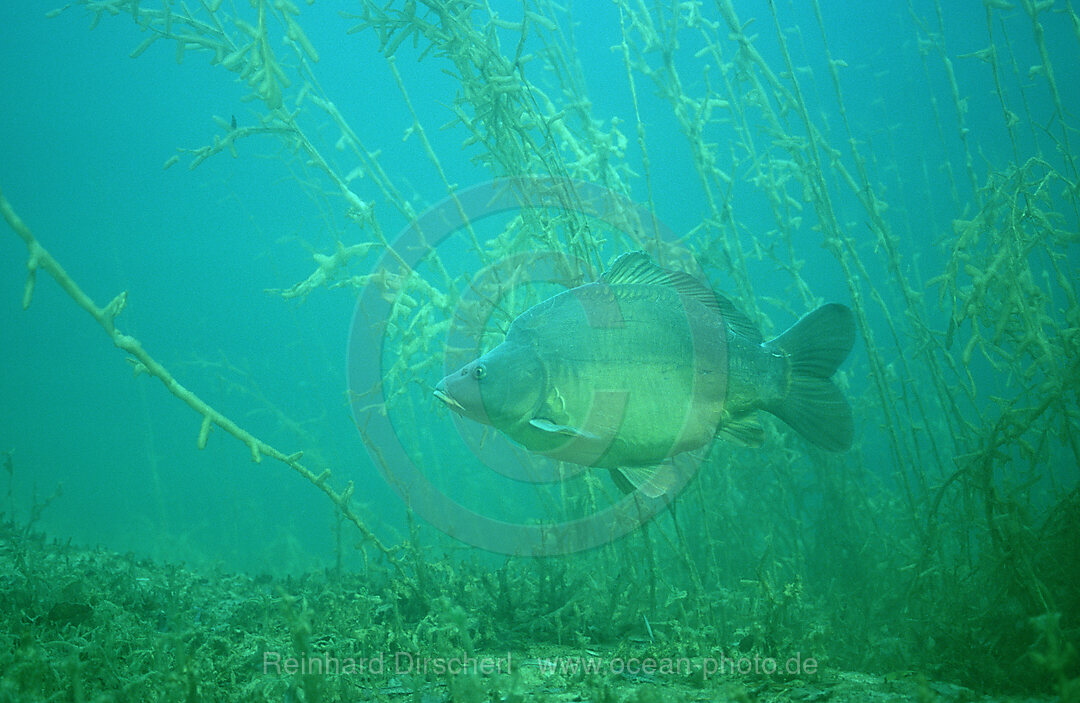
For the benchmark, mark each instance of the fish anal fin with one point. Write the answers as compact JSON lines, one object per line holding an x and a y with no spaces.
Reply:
{"x":744,"y":430}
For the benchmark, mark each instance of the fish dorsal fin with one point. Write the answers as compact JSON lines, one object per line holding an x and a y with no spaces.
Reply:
{"x":736,"y":320}
{"x":635,"y":267}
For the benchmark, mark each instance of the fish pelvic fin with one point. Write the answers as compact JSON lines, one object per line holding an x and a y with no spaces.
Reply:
{"x":814,"y":406}
{"x":653,"y":481}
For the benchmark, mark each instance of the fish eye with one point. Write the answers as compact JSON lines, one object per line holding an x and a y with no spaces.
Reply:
{"x":479,"y":372}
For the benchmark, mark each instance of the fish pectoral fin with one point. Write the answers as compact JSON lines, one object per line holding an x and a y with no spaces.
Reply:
{"x":549,"y":426}
{"x":653,"y":481}
{"x":745,"y":430}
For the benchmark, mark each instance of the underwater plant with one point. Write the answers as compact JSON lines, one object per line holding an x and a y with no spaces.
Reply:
{"x":791,"y":173}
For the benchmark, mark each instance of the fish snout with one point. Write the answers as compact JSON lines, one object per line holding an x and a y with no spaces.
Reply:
{"x":443,"y":394}
{"x":460,"y":391}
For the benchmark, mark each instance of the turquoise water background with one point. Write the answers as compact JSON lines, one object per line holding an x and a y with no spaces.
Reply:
{"x":84,"y":131}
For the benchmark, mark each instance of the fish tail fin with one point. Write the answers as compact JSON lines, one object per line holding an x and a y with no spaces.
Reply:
{"x":814,"y":406}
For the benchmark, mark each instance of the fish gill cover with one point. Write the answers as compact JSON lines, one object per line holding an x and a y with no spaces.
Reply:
{"x":394,"y":184}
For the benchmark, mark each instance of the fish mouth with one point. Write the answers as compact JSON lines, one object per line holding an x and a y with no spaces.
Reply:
{"x":441,"y":393}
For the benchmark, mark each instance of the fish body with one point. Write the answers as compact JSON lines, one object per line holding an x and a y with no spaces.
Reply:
{"x":646,"y":364}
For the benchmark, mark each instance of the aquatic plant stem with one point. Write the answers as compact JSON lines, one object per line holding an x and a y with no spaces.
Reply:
{"x":143,"y":362}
